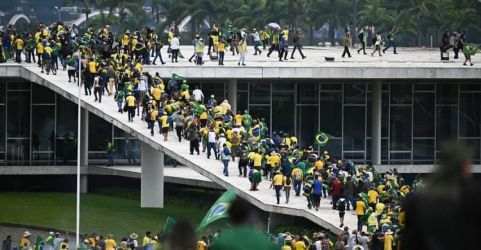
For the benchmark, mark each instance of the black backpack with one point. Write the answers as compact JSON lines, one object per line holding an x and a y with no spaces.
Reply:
{"x":374,"y":40}
{"x":360,"y":36}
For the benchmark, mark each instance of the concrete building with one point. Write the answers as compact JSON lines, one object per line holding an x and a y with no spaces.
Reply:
{"x":390,"y":113}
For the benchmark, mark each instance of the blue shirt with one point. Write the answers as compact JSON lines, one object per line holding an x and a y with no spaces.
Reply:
{"x":317,"y":187}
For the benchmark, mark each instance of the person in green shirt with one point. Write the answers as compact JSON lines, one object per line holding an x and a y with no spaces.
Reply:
{"x":242,"y":236}
{"x":391,"y":39}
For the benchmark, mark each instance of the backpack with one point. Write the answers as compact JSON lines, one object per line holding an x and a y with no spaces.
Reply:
{"x":374,"y":40}
{"x":288,"y":181}
{"x":361,"y":36}
{"x":226,"y":151}
{"x":298,"y":176}
{"x":342,"y":203}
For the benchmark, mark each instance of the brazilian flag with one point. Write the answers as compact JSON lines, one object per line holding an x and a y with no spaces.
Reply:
{"x":321,"y":139}
{"x":176,"y":77}
{"x":219,"y":210}
{"x":255,"y":132}
{"x":169,"y":225}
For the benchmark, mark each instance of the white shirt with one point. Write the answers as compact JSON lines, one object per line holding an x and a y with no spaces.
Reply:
{"x":175,"y":43}
{"x":142,"y":85}
{"x":198,"y":95}
{"x":211,"y":136}
{"x":256,"y":36}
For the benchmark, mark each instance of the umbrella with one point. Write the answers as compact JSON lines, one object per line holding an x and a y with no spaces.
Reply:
{"x":274,"y":26}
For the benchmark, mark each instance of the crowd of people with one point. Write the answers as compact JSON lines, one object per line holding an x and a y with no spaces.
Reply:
{"x":114,"y":67}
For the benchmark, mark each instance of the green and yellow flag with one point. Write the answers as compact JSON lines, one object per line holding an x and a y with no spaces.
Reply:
{"x":169,"y":225}
{"x":39,"y":242}
{"x":178,"y":77}
{"x":219,"y":210}
{"x":321,"y":139}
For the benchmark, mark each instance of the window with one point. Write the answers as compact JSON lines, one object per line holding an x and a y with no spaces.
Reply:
{"x":354,"y":93}
{"x":400,"y":128}
{"x":308,"y":93}
{"x":446,"y":123}
{"x":447,"y":94}
{"x":307,"y":121}
{"x":469,"y":115}
{"x":283,"y":112}
{"x":354,"y":128}
{"x":423,"y":115}
{"x":260,"y":93}
{"x":331,"y":113}
{"x":401,"y":93}
{"x":18,"y":114}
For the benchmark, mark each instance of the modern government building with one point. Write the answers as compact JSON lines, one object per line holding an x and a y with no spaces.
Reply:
{"x":39,"y":126}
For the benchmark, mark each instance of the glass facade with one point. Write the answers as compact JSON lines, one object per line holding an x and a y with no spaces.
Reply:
{"x":39,"y":127}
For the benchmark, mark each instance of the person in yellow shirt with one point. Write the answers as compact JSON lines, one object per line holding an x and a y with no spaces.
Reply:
{"x":373,"y":197}
{"x":164,"y":125}
{"x":277,"y":183}
{"x":18,"y":49}
{"x":287,"y":183}
{"x":221,"y":50}
{"x":257,"y":160}
{"x":131,"y":106}
{"x":110,"y":243}
{"x":388,"y":240}
{"x":25,"y":242}
{"x":300,"y":244}
{"x":147,"y":238}
{"x":360,"y":211}
{"x":39,"y":48}
{"x":202,"y":244}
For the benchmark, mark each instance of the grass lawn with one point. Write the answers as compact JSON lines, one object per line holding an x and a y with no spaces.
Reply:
{"x":99,"y":213}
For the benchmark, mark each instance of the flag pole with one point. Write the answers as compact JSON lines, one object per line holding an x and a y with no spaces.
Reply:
{"x":79,"y":116}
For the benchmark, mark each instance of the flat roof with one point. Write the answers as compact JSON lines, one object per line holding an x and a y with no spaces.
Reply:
{"x":409,"y":63}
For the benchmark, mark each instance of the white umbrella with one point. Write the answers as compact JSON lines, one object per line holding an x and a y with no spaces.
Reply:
{"x":274,"y":26}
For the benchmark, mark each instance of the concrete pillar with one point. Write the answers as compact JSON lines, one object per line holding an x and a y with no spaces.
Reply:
{"x":84,"y":184}
{"x":376,"y":110}
{"x":84,"y":140}
{"x":152,"y":177}
{"x":232,"y":94}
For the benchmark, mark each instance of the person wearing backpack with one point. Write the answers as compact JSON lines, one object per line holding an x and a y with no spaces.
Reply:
{"x":298,"y":177}
{"x":287,"y":182}
{"x":341,"y":207}
{"x":363,"y":39}
{"x":225,"y":157}
{"x":193,"y":136}
{"x":317,"y":191}
{"x":376,"y":43}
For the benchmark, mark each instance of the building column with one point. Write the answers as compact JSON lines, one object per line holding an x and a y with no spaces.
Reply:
{"x":232,"y":94}
{"x":152,"y":177}
{"x":376,"y":111}
{"x":84,"y":184}
{"x":84,"y":140}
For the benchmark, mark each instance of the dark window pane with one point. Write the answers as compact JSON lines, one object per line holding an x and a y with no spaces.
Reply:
{"x":43,"y":128}
{"x":214,"y":88}
{"x":258,"y":112}
{"x":18,"y":85}
{"x":42,"y":159}
{"x":400,"y":158}
{"x":354,"y":128}
{"x":331,"y":113}
{"x":355,"y":157}
{"x":283,"y":85}
{"x":423,"y":112}
{"x":66,"y":149}
{"x":384,"y":150}
{"x":3,"y":122}
{"x":3,"y":91}
{"x":123,"y":147}
{"x":99,"y":132}
{"x":260,"y":93}
{"x":42,"y":94}
{"x":401,"y":93}
{"x":469,"y":115}
{"x":18,"y":120}
{"x":354,"y":93}
{"x":308,"y":93}
{"x":446,"y":124}
{"x":447,"y":93}
{"x":423,"y":149}
{"x":424,"y":86}
{"x":334,"y":147}
{"x":242,"y":101}
{"x":474,"y":144}
{"x":283,"y":112}
{"x":470,"y":87}
{"x":307,"y":124}
{"x":66,"y":117}
{"x":331,"y":87}
{"x":18,"y":152}
{"x":400,"y":128}
{"x":242,"y":85}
